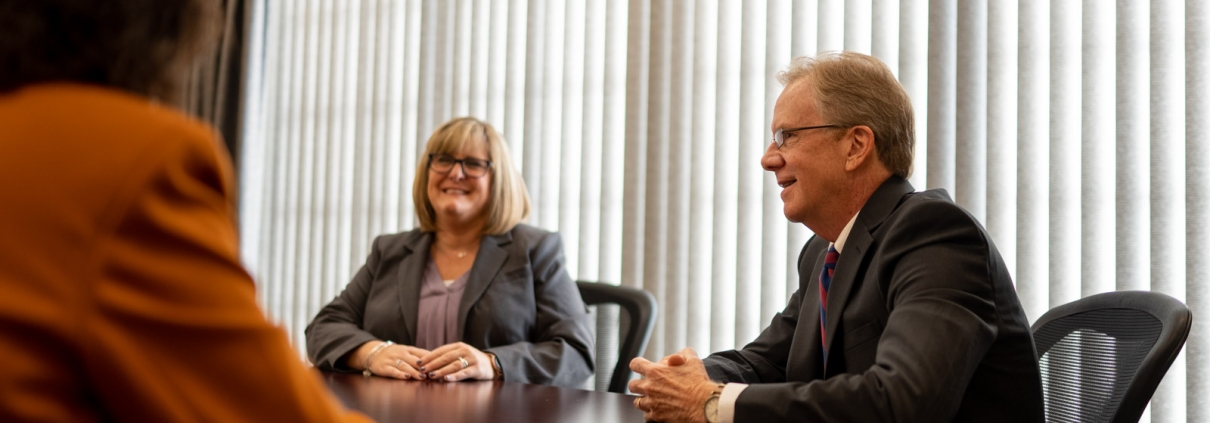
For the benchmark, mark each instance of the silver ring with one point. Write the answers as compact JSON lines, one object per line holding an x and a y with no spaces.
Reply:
{"x":464,"y":363}
{"x":398,"y":362}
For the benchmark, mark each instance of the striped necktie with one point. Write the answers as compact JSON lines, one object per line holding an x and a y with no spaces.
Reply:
{"x":825,"y":283}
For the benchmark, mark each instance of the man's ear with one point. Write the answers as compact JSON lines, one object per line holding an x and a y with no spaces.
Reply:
{"x":861,"y":147}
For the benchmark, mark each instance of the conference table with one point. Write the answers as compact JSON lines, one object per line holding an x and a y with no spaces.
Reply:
{"x":389,"y":400}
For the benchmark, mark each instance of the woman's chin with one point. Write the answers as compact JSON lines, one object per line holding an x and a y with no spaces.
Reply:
{"x":454,"y":213}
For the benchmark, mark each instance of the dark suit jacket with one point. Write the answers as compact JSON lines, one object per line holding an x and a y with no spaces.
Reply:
{"x":519,"y":303}
{"x":924,"y":326}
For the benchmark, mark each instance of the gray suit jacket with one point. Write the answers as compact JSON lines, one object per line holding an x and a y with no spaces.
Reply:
{"x":924,"y":325}
{"x":519,"y":304}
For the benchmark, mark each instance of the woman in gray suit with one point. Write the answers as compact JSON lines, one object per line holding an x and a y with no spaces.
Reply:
{"x":472,"y":294}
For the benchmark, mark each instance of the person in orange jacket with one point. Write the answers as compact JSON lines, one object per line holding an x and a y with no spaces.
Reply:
{"x":122,"y":297}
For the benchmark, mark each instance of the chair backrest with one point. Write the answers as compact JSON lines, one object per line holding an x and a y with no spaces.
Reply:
{"x":637,"y":317}
{"x":1103,"y":356}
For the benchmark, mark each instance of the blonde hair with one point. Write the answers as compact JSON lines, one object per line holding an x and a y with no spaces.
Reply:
{"x":856,"y":89}
{"x":508,"y":199}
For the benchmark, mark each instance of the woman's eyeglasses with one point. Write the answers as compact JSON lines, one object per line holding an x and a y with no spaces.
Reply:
{"x":472,"y":167}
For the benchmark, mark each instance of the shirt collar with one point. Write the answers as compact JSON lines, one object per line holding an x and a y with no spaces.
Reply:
{"x":844,"y":234}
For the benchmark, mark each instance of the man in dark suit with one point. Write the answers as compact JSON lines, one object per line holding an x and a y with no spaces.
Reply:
{"x":905,"y":310}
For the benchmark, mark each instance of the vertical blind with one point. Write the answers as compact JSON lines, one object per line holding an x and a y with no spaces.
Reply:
{"x":1073,"y":130}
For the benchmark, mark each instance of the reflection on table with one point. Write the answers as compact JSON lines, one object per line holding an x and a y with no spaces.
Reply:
{"x":387,"y":400}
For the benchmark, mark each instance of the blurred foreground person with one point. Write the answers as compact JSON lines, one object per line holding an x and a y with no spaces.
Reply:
{"x":123,"y":296}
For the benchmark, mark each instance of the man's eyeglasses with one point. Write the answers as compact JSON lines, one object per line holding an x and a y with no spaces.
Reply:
{"x":779,"y":137}
{"x":473,"y":167}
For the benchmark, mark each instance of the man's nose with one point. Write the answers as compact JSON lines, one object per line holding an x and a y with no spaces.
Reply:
{"x":772,"y":160}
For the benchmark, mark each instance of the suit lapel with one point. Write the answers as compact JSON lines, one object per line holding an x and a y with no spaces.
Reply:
{"x":411,"y":277}
{"x":852,"y":260}
{"x":855,"y":249}
{"x":488,"y":261}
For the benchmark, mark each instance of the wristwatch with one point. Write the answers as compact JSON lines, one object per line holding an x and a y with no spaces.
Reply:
{"x":711,"y":406}
{"x":497,"y":372}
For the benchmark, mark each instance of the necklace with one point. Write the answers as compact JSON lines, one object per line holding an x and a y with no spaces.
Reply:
{"x":453,"y":252}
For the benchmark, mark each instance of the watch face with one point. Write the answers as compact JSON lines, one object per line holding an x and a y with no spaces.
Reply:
{"x":711,"y":409}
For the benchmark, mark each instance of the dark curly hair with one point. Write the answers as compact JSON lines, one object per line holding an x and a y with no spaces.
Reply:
{"x":141,"y":46}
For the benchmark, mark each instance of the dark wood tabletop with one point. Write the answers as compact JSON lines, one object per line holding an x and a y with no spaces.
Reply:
{"x":391,"y":400}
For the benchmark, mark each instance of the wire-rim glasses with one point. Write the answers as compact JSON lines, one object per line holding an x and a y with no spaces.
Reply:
{"x":472,"y":167}
{"x":779,"y":137}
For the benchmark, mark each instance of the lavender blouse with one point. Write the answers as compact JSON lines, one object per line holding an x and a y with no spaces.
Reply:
{"x":437,"y":324}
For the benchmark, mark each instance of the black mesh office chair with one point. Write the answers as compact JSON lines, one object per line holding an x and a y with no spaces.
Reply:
{"x":631,"y":321}
{"x":1103,"y":356}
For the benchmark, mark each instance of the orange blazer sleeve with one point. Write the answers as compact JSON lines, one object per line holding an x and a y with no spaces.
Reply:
{"x":129,"y":302}
{"x":176,"y":333}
